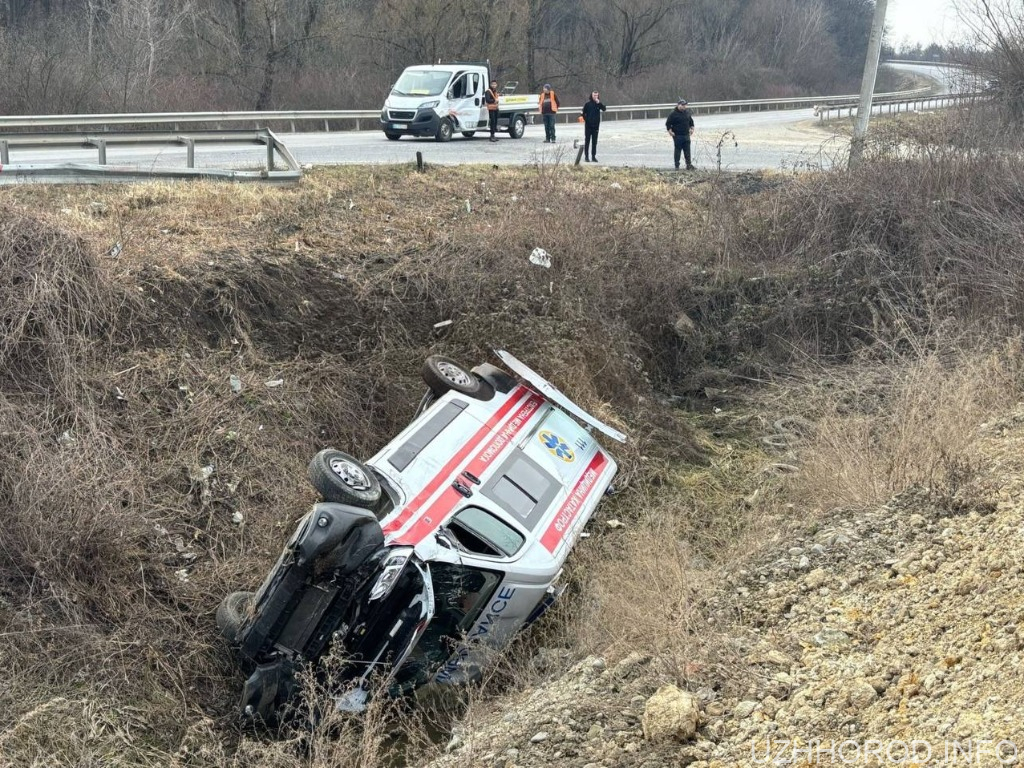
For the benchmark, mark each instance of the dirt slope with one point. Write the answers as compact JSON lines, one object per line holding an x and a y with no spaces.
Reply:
{"x":887,"y":636}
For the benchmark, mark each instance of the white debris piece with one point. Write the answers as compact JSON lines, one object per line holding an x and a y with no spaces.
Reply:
{"x":541,"y":258}
{"x":236,"y":384}
{"x":236,"y":518}
{"x":274,"y":383}
{"x":443,"y":324}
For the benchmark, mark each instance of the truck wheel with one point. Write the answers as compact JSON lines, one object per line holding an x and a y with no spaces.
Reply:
{"x":231,"y":614}
{"x":444,"y":130}
{"x":469,"y":134}
{"x":344,"y":480}
{"x":392,"y":136}
{"x":517,"y":127}
{"x":442,"y":374}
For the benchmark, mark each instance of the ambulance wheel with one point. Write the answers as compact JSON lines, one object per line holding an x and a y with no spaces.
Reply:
{"x":342,"y":479}
{"x":442,"y":374}
{"x":392,"y":136}
{"x":469,"y":134}
{"x":231,"y":614}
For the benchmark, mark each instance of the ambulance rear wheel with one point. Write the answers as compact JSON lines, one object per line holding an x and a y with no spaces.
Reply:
{"x":442,"y":374}
{"x":469,"y":134}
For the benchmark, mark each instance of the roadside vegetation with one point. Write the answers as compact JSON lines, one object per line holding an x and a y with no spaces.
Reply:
{"x":777,"y":347}
{"x":104,"y":56}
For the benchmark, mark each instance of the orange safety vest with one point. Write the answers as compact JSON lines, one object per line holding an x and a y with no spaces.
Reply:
{"x":554,"y":102}
{"x":492,"y":106}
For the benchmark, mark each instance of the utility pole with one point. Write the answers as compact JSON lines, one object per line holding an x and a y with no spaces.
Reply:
{"x":867,"y":88}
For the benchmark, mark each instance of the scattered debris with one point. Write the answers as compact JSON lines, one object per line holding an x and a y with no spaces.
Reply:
{"x":67,"y":439}
{"x":613,"y":523}
{"x":236,"y":518}
{"x":274,"y":383}
{"x":442,"y":324}
{"x":115,"y":250}
{"x":541,"y":258}
{"x":236,"y":384}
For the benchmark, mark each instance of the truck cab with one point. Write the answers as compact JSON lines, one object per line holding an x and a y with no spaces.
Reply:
{"x":438,"y":100}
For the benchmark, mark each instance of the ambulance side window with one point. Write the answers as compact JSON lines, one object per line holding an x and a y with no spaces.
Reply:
{"x":478,"y":531}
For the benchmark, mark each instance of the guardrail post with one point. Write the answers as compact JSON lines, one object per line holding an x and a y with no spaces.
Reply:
{"x":270,"y":154}
{"x":5,"y":156}
{"x":101,"y":146}
{"x":357,"y":123}
{"x":190,"y":153}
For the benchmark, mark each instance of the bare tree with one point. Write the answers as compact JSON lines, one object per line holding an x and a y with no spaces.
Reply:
{"x":997,"y":27}
{"x":635,"y":35}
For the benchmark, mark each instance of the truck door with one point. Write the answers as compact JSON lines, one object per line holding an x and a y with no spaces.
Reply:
{"x":466,"y":101}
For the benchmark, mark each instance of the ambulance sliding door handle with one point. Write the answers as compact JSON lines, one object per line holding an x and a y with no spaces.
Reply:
{"x":464,"y":490}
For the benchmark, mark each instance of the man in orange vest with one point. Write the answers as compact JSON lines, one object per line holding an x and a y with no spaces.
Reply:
{"x":491,"y":100}
{"x":548,"y":108}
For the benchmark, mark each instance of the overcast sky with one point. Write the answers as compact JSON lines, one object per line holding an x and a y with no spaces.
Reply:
{"x":920,"y":21}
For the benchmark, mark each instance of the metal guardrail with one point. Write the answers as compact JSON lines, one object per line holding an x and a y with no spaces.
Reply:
{"x":102,"y":172}
{"x":176,"y":119}
{"x":825,"y":111}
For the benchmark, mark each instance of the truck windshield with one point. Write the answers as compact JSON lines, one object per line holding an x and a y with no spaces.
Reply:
{"x":421,"y":82}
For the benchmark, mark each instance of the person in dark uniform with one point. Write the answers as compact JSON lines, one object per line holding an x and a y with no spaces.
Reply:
{"x":680,"y":128}
{"x":591,"y":125}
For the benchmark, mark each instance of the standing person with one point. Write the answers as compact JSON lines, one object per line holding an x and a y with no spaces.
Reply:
{"x":680,"y":128}
{"x":491,"y":100}
{"x":591,"y":125}
{"x":548,"y":108}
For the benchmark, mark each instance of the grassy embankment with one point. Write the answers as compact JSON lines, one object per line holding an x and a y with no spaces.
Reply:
{"x":873,"y":313}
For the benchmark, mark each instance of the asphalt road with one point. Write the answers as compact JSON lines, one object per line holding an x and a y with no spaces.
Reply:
{"x":782,"y":140}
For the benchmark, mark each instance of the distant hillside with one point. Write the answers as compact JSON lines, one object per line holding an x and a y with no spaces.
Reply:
{"x":178,"y":55}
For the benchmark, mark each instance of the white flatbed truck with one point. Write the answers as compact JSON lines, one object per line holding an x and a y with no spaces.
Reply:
{"x":440,"y":100}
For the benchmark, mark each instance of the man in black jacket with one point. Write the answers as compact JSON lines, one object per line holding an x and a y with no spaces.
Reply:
{"x":591,"y":125}
{"x":680,"y":128}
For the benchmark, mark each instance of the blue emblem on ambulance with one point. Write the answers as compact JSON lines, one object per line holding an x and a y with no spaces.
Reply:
{"x":557,"y":445}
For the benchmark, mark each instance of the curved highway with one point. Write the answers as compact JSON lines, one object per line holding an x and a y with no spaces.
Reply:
{"x":781,"y":140}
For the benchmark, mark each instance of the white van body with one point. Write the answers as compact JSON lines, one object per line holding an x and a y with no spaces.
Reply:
{"x":439,"y":100}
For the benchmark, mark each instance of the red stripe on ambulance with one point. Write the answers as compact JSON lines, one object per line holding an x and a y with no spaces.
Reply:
{"x":572,"y":506}
{"x":447,"y":472}
{"x":447,"y":501}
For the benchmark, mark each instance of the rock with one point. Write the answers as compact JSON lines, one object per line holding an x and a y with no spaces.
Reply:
{"x":861,"y":694}
{"x":537,"y":738}
{"x":816,"y":578}
{"x":744,"y":709}
{"x":630,"y":665}
{"x":670,"y":714}
{"x":831,"y":638}
{"x":684,"y":326}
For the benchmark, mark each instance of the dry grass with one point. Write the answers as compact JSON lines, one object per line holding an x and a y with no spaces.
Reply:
{"x":127,"y":452}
